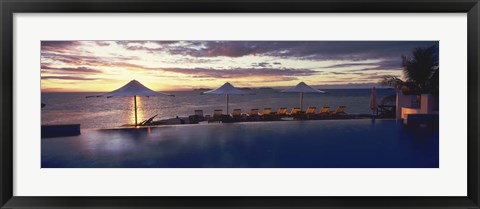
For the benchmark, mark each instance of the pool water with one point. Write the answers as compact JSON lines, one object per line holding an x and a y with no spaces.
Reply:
{"x":360,"y":143}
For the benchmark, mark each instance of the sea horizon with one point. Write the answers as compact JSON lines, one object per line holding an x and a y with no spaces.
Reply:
{"x":100,"y":112}
{"x":206,"y":89}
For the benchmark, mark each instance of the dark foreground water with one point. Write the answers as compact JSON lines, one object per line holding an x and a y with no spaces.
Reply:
{"x":284,"y":144}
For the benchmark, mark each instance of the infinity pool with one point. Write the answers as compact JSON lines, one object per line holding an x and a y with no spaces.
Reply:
{"x":285,"y":144}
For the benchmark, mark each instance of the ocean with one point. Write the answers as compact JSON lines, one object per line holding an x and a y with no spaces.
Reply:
{"x":360,"y":143}
{"x":101,"y":112}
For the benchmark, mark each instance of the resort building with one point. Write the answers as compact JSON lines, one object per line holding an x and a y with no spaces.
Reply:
{"x":424,"y":105}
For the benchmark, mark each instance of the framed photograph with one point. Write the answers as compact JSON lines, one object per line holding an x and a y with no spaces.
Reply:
{"x":236,"y":104}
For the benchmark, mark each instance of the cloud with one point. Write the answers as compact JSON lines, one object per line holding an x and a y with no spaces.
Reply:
{"x":387,"y":64}
{"x":148,"y":46}
{"x":374,"y":77}
{"x":66,"y":78}
{"x":228,"y":49}
{"x":261,"y":64}
{"x":345,"y":50}
{"x":264,"y":80}
{"x":316,"y":50}
{"x":59,"y":46}
{"x":344,"y":65}
{"x":71,"y":69}
{"x":343,"y":73}
{"x":191,"y":60}
{"x":86,"y":60}
{"x":332,"y":85}
{"x":102,"y":43}
{"x":72,"y":59}
{"x":240,"y":73}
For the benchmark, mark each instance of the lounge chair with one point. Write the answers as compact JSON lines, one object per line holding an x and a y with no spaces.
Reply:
{"x":236,"y":115}
{"x":197,"y":117}
{"x":147,"y":122}
{"x":340,"y":111}
{"x":253,"y":115}
{"x":324,"y":112}
{"x":282,"y":111}
{"x":217,"y":115}
{"x":266,"y":114}
{"x":199,"y":113}
{"x":310,"y":113}
{"x":236,"y":112}
{"x":295,"y":111}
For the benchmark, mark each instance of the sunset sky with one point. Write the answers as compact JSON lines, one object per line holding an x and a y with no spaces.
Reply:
{"x":99,"y":66}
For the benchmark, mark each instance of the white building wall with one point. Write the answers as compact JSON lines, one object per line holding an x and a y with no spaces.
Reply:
{"x":427,"y":104}
{"x":404,"y":105}
{"x":402,"y":101}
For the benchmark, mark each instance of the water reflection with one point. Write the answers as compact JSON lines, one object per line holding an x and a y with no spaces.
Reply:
{"x":140,"y":115}
{"x":294,"y":144}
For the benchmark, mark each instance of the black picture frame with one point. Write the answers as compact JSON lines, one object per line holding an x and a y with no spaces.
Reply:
{"x":10,"y":7}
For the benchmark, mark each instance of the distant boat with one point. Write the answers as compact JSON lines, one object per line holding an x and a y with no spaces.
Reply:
{"x":93,"y":96}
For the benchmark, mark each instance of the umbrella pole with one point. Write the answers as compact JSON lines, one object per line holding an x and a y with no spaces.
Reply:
{"x":301,"y":101}
{"x":135,"y":105}
{"x":227,"y":104}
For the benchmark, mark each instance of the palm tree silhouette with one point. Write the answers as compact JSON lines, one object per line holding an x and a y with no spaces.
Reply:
{"x":420,"y":71}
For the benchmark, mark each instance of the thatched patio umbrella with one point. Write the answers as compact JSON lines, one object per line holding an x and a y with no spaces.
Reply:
{"x":226,"y":89}
{"x":133,"y":89}
{"x":302,"y":88}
